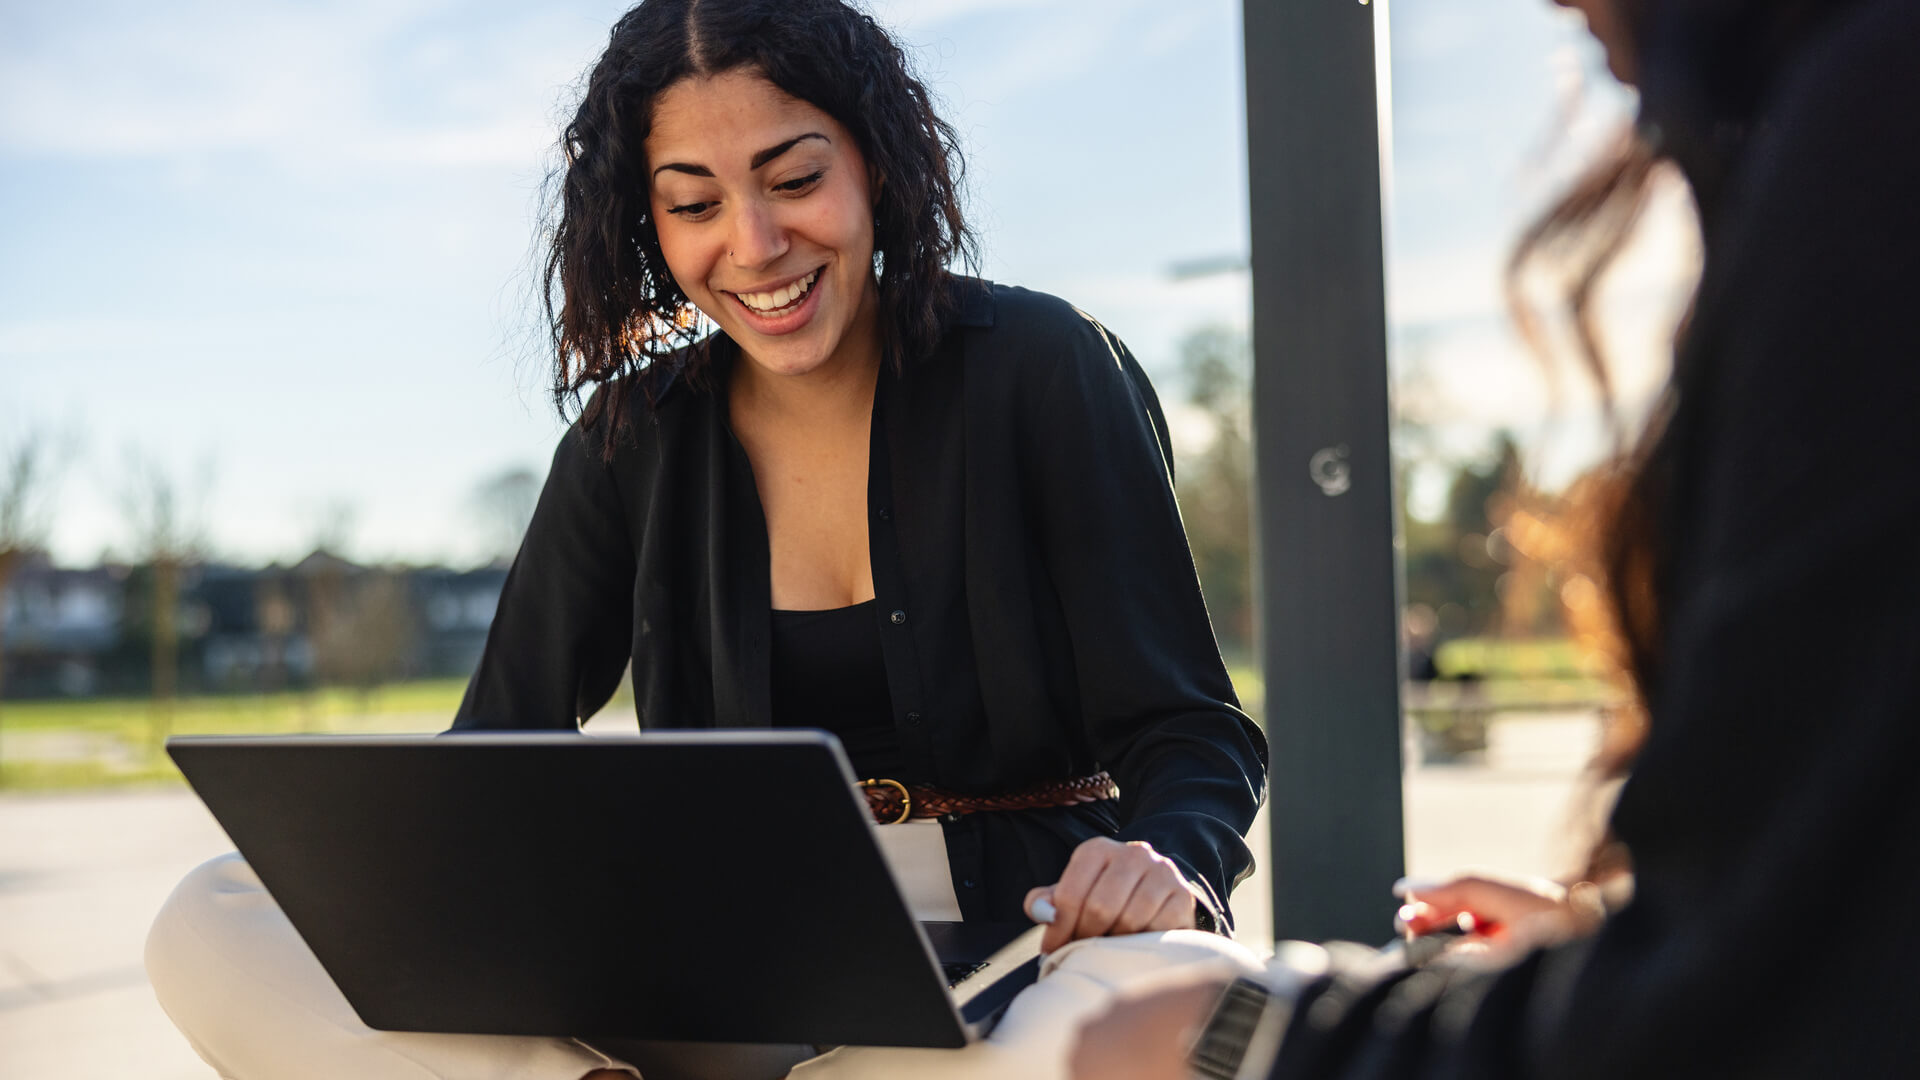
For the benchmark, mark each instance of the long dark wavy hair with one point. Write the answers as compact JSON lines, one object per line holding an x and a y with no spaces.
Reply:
{"x":1706,"y":69}
{"x":612,"y":310}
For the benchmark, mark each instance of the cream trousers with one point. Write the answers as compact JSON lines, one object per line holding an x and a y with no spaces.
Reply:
{"x":248,"y":994}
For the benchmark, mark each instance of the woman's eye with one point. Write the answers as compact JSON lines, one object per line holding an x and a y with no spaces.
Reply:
{"x":694,"y":209}
{"x":799,"y":184}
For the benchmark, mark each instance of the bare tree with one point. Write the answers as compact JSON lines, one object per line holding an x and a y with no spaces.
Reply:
{"x":167,"y":526}
{"x":1215,"y":486}
{"x":326,"y":576}
{"x":25,"y":514}
{"x":359,"y":620}
{"x":363,"y":640}
{"x":334,"y":525}
{"x":502,"y":504}
{"x":24,"y":517}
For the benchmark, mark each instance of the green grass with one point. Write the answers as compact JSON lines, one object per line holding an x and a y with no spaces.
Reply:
{"x":240,"y":713}
{"x":89,"y":774}
{"x":1546,"y":673}
{"x":1496,"y":658}
{"x":117,"y":741}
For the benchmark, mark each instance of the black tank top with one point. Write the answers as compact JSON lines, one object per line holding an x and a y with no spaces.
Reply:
{"x":828,"y":673}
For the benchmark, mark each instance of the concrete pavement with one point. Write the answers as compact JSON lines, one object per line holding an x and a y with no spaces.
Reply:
{"x":81,"y":876}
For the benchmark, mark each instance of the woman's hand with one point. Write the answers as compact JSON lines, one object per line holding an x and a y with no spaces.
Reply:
{"x":1114,"y":888}
{"x":1503,"y":913}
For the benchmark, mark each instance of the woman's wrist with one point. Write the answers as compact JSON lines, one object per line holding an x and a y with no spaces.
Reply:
{"x":1241,"y":1037}
{"x":1204,"y":916}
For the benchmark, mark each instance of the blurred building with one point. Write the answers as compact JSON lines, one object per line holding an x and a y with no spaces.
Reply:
{"x":58,"y":625}
{"x":323,"y":620}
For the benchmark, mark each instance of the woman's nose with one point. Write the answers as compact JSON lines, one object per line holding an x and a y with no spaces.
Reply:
{"x":757,"y":238}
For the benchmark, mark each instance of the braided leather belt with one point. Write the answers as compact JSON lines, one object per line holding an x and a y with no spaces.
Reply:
{"x":893,"y":802}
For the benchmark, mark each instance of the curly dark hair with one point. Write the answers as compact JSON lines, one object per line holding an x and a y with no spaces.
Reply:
{"x":612,"y":310}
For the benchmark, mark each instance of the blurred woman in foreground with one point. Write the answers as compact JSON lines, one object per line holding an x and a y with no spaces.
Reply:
{"x":1760,"y":563}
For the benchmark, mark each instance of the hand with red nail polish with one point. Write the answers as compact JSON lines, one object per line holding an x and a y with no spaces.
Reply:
{"x":1489,"y":911}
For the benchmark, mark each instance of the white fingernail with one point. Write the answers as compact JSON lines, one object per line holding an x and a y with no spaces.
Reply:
{"x":1409,"y":885}
{"x":1043,"y":911}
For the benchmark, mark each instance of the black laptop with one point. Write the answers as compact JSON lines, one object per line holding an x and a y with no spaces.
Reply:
{"x":692,"y":886}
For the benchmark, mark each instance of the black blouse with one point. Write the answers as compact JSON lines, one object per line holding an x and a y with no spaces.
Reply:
{"x":1042,"y":618}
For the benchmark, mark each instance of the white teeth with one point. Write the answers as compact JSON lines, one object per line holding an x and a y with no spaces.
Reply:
{"x":770,"y":303}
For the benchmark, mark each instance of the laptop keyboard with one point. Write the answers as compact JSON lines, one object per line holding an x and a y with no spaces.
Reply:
{"x":959,"y":973}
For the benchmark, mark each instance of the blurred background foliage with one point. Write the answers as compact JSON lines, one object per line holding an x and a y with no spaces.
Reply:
{"x":99,"y":664}
{"x":1476,"y":604}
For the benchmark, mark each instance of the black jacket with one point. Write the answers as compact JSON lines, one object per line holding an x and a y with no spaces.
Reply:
{"x":1045,"y":620}
{"x":1772,"y":814}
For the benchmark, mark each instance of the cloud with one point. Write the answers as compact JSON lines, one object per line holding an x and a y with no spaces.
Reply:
{"x":909,"y":15}
{"x":101,"y":334}
{"x":1033,"y":42}
{"x":369,"y":82}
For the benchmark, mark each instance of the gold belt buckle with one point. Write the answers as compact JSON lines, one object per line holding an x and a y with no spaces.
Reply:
{"x":906,"y":798}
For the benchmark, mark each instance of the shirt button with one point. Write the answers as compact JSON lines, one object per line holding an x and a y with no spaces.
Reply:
{"x":913,"y":719}
{"x":885,"y":514}
{"x":966,"y":883}
{"x":897,"y":618}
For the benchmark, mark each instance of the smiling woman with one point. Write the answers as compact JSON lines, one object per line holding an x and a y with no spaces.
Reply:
{"x":777,"y":248}
{"x":929,"y":514}
{"x":698,"y":141}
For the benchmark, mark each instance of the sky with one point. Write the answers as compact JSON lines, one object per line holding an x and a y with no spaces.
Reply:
{"x":281,"y":251}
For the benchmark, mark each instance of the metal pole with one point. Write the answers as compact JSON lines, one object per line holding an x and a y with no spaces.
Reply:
{"x":1329,"y":578}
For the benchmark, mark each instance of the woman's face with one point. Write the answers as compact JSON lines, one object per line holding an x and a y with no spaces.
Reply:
{"x":1607,"y":22}
{"x":765,"y":216}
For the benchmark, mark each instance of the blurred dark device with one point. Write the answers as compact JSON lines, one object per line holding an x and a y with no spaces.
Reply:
{"x":692,"y":886}
{"x":1419,"y":950}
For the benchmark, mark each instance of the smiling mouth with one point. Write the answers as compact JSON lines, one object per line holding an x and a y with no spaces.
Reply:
{"x":779,"y":301}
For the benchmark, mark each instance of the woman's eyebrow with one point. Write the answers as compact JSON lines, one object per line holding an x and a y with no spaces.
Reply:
{"x":690,"y":170}
{"x":759,"y":159}
{"x":772,"y":152}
